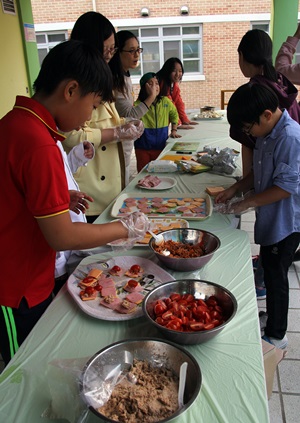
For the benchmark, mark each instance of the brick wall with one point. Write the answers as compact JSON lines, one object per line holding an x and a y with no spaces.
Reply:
{"x":220,"y":39}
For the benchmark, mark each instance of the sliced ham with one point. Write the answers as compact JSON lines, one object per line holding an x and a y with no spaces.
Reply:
{"x":149,"y":181}
{"x":110,"y":290}
{"x":135,"y":297}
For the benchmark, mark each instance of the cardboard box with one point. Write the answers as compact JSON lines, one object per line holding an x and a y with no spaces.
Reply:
{"x":272,"y":356}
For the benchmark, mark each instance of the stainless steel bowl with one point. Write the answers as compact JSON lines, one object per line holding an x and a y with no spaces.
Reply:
{"x":96,"y":376}
{"x":188,"y":236}
{"x":199,"y":289}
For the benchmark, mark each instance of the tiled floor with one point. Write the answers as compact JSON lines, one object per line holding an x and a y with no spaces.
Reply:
{"x":284,"y":404}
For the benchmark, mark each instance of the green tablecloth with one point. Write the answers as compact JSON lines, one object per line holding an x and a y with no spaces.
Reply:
{"x":233,"y":388}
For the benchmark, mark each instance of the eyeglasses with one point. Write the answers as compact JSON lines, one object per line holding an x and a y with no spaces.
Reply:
{"x":247,"y":129}
{"x":111,"y":50}
{"x":137,"y":51}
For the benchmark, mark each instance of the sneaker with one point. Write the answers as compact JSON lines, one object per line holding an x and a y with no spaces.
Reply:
{"x":261,"y":292}
{"x":263,"y":317}
{"x":278,"y":343}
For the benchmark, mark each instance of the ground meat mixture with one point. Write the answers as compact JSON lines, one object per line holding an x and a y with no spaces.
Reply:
{"x":180,"y":250}
{"x":152,"y":397}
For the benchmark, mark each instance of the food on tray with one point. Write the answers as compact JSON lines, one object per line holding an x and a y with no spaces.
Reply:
{"x":132,"y":285}
{"x":186,"y":313}
{"x":180,"y":250}
{"x":160,"y":228}
{"x":107,"y":291}
{"x":169,"y":207}
{"x":88,"y":294}
{"x":116,"y":271}
{"x":135,"y":297}
{"x":91,"y":279}
{"x":147,"y":394}
{"x":208,"y":114}
{"x":214,"y":191}
{"x":126,"y":307}
{"x":149,"y":181}
{"x":135,"y":271}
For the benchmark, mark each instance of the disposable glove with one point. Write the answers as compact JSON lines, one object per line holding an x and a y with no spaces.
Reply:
{"x":129,"y":131}
{"x":137,"y":224}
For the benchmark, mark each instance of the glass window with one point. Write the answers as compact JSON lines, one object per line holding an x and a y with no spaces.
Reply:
{"x":263,"y":26}
{"x":45,"y":41}
{"x":161,"y":43}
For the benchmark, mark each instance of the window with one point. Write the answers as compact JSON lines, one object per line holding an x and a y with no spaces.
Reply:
{"x":46,"y":41}
{"x":161,"y":43}
{"x":263,"y":26}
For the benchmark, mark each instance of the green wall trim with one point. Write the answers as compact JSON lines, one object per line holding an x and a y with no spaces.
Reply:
{"x":30,"y":47}
{"x":284,"y":19}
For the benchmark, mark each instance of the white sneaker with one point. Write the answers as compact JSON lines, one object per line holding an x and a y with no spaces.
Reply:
{"x":278,"y":343}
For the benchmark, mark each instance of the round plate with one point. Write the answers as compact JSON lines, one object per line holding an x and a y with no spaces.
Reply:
{"x":166,"y":183}
{"x":93,"y":308}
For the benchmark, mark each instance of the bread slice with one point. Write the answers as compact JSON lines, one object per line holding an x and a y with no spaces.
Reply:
{"x":214,"y":191}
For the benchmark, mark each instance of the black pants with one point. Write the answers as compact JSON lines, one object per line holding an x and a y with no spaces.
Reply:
{"x":91,"y":219}
{"x":15,"y":325}
{"x":276,"y":260}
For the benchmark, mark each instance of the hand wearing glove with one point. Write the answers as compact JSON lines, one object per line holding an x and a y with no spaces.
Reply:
{"x":137,"y":224}
{"x":129,"y":131}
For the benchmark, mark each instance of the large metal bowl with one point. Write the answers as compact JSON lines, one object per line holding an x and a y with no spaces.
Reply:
{"x":200,"y":290}
{"x":95,"y":379}
{"x":191,"y":236}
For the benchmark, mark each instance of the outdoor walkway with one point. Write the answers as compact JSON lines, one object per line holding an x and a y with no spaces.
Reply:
{"x":284,"y":404}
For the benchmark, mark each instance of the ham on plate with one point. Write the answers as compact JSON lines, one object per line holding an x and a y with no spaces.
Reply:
{"x":149,"y":181}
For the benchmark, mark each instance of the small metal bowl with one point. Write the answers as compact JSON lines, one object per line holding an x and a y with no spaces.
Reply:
{"x":200,"y":290}
{"x":188,"y":236}
{"x":95,"y":378}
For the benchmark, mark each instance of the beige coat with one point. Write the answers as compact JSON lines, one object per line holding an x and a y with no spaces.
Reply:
{"x":103,"y":177}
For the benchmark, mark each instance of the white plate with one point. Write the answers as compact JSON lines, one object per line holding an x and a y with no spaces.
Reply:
{"x":93,"y":308}
{"x":166,"y":183}
{"x":171,"y":213}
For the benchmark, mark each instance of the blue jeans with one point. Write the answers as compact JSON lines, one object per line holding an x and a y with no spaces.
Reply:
{"x":276,"y":260}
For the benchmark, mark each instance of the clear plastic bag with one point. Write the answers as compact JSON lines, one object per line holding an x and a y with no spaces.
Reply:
{"x":220,"y":161}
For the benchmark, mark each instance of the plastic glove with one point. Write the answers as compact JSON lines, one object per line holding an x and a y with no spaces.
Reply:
{"x":129,"y":131}
{"x":137,"y":225}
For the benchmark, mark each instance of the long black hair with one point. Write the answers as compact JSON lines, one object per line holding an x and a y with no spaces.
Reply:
{"x":94,"y":28}
{"x":163,"y":75}
{"x":115,"y":63}
{"x":256,"y":47}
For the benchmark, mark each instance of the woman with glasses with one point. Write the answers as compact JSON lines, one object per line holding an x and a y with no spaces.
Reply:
{"x":169,"y":77}
{"x":104,"y":177}
{"x":128,"y":58}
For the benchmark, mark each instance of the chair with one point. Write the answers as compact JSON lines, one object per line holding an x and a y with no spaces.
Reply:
{"x":223,"y":97}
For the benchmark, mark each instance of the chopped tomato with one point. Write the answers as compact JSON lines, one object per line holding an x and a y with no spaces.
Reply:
{"x":89,"y":290}
{"x":175,"y":297}
{"x":197,"y":326}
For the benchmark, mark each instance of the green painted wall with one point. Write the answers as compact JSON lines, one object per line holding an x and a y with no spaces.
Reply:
{"x":284,"y":18}
{"x":19,"y":59}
